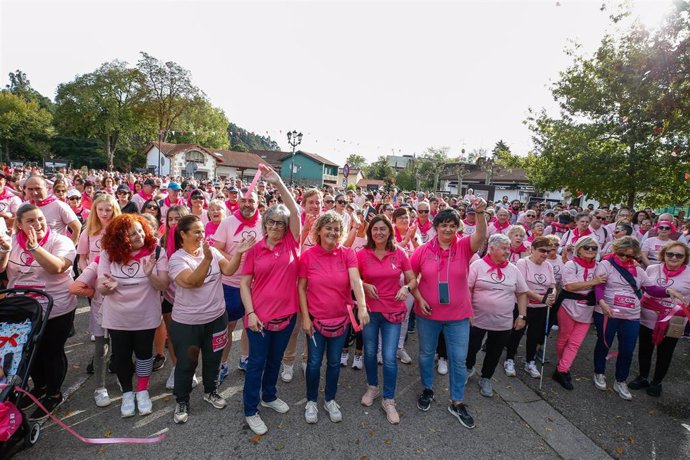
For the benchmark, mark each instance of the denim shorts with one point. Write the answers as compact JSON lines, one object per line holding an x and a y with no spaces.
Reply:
{"x":233,"y":303}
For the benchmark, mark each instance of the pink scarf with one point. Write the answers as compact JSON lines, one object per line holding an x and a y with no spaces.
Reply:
{"x":629,"y":265}
{"x":22,"y":242}
{"x":6,"y":194}
{"x":42,"y":203}
{"x":518,"y":250}
{"x":494,"y":266}
{"x":144,"y":195}
{"x":245,"y":222}
{"x":169,"y":204}
{"x":500,"y":227}
{"x":170,"y":241}
{"x":671,"y":273}
{"x":211,"y":228}
{"x":232,"y":207}
{"x":586,"y":264}
{"x":425,"y":227}
{"x":143,"y":252}
{"x":578,"y":235}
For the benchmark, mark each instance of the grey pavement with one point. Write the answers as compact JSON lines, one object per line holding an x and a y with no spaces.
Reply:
{"x":519,"y":422}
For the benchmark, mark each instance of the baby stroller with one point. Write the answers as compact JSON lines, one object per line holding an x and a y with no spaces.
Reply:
{"x":22,"y":323}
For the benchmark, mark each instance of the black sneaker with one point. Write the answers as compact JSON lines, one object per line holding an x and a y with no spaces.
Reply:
{"x":28,"y":403}
{"x":158,"y":362}
{"x":50,"y":403}
{"x":424,"y":401}
{"x":562,"y":379}
{"x":460,"y":412}
{"x":654,"y":389}
{"x":639,"y":383}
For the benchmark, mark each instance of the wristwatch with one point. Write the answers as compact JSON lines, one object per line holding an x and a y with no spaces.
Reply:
{"x":522,"y":317}
{"x":408,"y":288}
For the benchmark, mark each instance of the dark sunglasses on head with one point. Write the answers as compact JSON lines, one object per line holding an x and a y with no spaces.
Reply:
{"x":590,"y":248}
{"x":675,"y":255}
{"x":664,"y":227}
{"x":152,"y":206}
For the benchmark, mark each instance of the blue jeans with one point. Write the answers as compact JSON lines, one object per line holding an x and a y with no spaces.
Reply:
{"x":334,"y":346}
{"x":390,"y":334}
{"x":265,"y":352}
{"x":457,"y":334}
{"x":627,"y":331}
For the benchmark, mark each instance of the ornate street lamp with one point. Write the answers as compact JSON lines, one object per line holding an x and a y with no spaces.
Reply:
{"x":294,"y":139}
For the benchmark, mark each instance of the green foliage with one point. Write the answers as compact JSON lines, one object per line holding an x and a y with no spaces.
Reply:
{"x":242,"y":140}
{"x":380,"y":169}
{"x":356,"y":161}
{"x":405,"y":179}
{"x":430,"y":165}
{"x":202,"y":124}
{"x":79,"y":151}
{"x":21,"y":86}
{"x":25,"y":128}
{"x":621,"y":135}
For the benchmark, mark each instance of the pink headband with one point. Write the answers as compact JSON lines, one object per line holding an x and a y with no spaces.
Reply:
{"x":665,"y":222}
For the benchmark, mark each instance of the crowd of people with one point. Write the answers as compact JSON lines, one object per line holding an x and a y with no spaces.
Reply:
{"x":170,"y":265}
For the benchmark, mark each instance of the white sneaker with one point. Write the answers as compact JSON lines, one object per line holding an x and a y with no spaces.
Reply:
{"x":144,"y":403}
{"x":554,"y":327}
{"x":600,"y":381}
{"x":531,"y":369}
{"x":101,"y":397}
{"x":287,"y":373}
{"x":277,"y":405}
{"x":403,"y":356}
{"x":622,"y":389}
{"x":470,"y":374}
{"x":358,"y":362}
{"x":127,"y":408}
{"x":195,"y":381}
{"x":256,"y":424}
{"x":311,"y":412}
{"x":333,"y":410}
{"x":170,"y":383}
{"x":344,"y":357}
{"x":216,"y":400}
{"x":442,"y":366}
{"x":93,"y":338}
{"x":509,"y":367}
{"x":181,"y":413}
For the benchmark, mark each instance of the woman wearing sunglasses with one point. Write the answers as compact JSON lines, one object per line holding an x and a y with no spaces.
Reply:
{"x":151,"y":207}
{"x":653,"y":245}
{"x":655,"y":333}
{"x":617,"y":313}
{"x":575,"y":313}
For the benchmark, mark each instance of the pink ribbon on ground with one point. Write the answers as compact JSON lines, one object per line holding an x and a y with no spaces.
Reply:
{"x":152,"y":440}
{"x":250,"y":189}
{"x":351,"y":314}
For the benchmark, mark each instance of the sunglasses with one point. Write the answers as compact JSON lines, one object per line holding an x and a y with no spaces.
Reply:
{"x":152,"y":206}
{"x":590,"y":248}
{"x":422,"y":211}
{"x":600,"y":217}
{"x":663,"y":227}
{"x":329,"y":201}
{"x":544,"y":251}
{"x":675,"y":255}
{"x":530,"y":215}
{"x":74,"y":198}
{"x":622,"y":255}
{"x":341,"y":201}
{"x":197,"y":197}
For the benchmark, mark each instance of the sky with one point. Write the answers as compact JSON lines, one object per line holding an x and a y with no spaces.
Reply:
{"x":371,"y":78}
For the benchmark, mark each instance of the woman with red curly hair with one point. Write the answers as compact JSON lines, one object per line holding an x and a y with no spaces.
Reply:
{"x":132,"y":272}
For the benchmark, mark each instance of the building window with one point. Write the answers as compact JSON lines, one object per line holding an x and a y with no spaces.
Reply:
{"x":194,"y":156}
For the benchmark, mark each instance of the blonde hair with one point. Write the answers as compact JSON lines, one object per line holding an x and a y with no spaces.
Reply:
{"x":585,"y":241}
{"x":517,"y":229}
{"x":329,"y":217}
{"x":93,"y":223}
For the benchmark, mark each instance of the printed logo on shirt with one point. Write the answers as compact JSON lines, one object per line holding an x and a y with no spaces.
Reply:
{"x":540,"y":278}
{"x":496,"y":278}
{"x":623,"y":301}
{"x":663,"y":282}
{"x":248,"y":234}
{"x":25,"y":258}
{"x":130,"y":270}
{"x":97,"y":243}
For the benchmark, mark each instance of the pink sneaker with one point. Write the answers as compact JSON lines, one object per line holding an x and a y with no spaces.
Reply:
{"x":388,"y":406}
{"x":370,"y":395}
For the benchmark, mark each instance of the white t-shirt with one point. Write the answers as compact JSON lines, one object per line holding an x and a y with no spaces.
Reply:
{"x":197,"y":305}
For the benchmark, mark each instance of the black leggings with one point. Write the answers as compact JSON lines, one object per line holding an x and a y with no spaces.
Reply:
{"x":50,"y":363}
{"x":536,"y":323}
{"x":124,"y":343}
{"x":664,"y":354}
{"x":495,"y":343}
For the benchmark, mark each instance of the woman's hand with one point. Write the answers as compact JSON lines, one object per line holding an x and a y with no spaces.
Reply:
{"x":519,"y":323}
{"x":371,"y":291}
{"x":208,"y":255}
{"x":411,"y":232}
{"x":5,"y":245}
{"x":269,"y":174}
{"x":31,"y":238}
{"x":605,"y":309}
{"x":148,"y":266}
{"x":677,"y":295}
{"x":108,"y":283}
{"x":550,"y":299}
{"x":600,"y":279}
{"x":425,"y":307}
{"x":246,"y":244}
{"x":363,"y":315}
{"x":478,"y":204}
{"x":402,"y":294}
{"x":254,"y":323}
{"x":307,"y":326}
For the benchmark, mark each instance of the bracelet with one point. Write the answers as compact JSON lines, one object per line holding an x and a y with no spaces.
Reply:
{"x":250,"y":313}
{"x":4,"y":251}
{"x":33,"y":249}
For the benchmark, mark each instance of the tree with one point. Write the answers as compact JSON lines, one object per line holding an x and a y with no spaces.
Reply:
{"x":242,"y":140}
{"x":169,"y":91}
{"x":380,"y":169}
{"x":25,"y":128}
{"x":106,"y":105}
{"x":21,"y":86}
{"x":405,"y":179}
{"x":430,"y":166}
{"x":202,"y":124}
{"x":356,"y":161}
{"x":621,"y":134}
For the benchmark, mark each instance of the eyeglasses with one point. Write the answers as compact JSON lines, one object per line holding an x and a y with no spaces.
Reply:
{"x":590,"y":248}
{"x":625,"y":256}
{"x":152,"y":206}
{"x":74,"y":198}
{"x":275,"y":223}
{"x":530,"y":215}
{"x":664,"y":227}
{"x":544,"y":250}
{"x":329,"y":201}
{"x":600,"y":217}
{"x":675,"y":255}
{"x":341,"y":201}
{"x":422,"y":211}
{"x":197,"y":197}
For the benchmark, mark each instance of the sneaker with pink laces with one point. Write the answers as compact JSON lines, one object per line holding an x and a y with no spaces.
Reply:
{"x":370,"y":395}
{"x":388,"y":406}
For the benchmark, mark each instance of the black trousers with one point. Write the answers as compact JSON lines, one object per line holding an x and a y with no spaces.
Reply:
{"x":495,"y":343}
{"x":124,"y":343}
{"x":536,"y":324}
{"x":664,"y":354}
{"x":50,"y":363}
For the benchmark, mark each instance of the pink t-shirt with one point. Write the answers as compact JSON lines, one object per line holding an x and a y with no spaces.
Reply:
{"x":135,"y":305}
{"x":467,"y":229}
{"x":58,"y":216}
{"x":89,"y":276}
{"x":10,"y":203}
{"x":328,"y":280}
{"x":618,"y":294}
{"x":90,"y":245}
{"x":359,"y":243}
{"x":226,"y":235}
{"x":577,"y":309}
{"x":558,"y":268}
{"x":602,"y":235}
{"x":492,"y":229}
{"x":274,"y":278}
{"x":24,"y":272}
{"x":197,"y":305}
{"x":652,"y":246}
{"x":680,"y":283}
{"x":452,"y":265}
{"x":493,"y":297}
{"x":539,"y":278}
{"x":385,"y":274}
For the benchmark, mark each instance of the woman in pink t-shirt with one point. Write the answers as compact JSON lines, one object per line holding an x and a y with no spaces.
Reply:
{"x":582,"y":221}
{"x":199,"y":321}
{"x":518,"y":250}
{"x":652,"y":246}
{"x":541,"y":295}
{"x":577,"y":306}
{"x":41,"y":259}
{"x":216,"y":214}
{"x":496,"y":286}
{"x":327,"y":275}
{"x":103,"y":210}
{"x":132,"y":272}
{"x":655,"y":332}
{"x":383,"y":267}
{"x":444,"y":304}
{"x":269,"y":293}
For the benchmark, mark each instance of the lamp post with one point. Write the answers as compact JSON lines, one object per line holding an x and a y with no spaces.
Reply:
{"x":294,"y":139}
{"x":160,"y":140}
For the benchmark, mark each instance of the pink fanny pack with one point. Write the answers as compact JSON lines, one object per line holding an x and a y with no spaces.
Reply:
{"x":396,"y":317}
{"x":332,"y":327}
{"x":278,"y":324}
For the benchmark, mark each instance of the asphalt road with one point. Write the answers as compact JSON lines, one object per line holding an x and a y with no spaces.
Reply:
{"x":644,"y":428}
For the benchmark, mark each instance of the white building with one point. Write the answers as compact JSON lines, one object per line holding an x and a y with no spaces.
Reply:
{"x":187,"y":160}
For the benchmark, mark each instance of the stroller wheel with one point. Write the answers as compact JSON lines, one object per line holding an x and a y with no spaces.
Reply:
{"x":33,"y":434}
